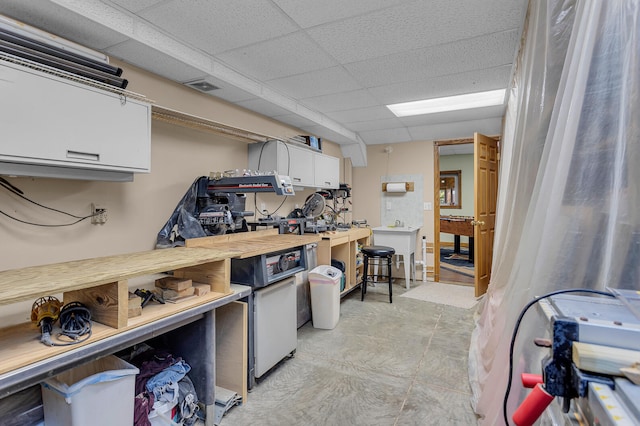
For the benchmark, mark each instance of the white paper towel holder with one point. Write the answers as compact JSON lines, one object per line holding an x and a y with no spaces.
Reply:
{"x":399,"y":187}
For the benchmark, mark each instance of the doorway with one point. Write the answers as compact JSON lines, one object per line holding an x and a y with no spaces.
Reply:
{"x":454,"y":205}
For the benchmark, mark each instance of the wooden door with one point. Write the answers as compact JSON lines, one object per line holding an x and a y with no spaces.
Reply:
{"x":485,"y":162}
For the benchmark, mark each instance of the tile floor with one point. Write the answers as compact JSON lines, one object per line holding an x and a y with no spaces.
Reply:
{"x":403,"y":363}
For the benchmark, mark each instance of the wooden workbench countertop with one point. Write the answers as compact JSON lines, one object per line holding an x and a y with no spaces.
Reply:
{"x":255,"y":243}
{"x":26,"y":283}
{"x":353,"y":233}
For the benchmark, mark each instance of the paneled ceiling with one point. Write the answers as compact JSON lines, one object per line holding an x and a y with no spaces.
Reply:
{"x":328,"y":67}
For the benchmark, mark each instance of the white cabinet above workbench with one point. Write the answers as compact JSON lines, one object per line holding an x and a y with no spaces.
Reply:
{"x":60,"y":125}
{"x":304,"y":166}
{"x":327,"y":171}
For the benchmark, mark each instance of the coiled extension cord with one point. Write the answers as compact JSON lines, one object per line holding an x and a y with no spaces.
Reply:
{"x":75,"y":322}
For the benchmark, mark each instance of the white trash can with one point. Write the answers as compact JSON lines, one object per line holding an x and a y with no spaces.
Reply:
{"x":324,"y":283}
{"x":99,"y":392}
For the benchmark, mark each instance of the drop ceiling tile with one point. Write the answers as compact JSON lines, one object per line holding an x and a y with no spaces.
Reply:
{"x":341,"y":101}
{"x":62,"y":22}
{"x":315,"y":83}
{"x":374,"y":137}
{"x":308,"y":13}
{"x":458,"y":130}
{"x":479,"y":53}
{"x":147,"y":58}
{"x":291,"y":54}
{"x":219,"y":25}
{"x":362,"y":114}
{"x":447,"y":85}
{"x":414,"y":26}
{"x":263,"y":107}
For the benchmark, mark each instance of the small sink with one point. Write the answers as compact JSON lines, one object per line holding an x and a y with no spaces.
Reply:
{"x":397,"y":228}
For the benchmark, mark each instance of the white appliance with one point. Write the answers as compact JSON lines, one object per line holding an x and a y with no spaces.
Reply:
{"x":275,"y":330}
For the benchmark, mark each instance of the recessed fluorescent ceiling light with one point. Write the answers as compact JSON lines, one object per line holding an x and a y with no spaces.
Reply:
{"x":451,"y":103}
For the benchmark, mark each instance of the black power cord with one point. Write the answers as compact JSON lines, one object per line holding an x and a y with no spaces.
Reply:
{"x":517,"y":326}
{"x":17,"y":191}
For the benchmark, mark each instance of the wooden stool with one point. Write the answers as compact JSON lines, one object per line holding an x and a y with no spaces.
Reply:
{"x":376,"y":254}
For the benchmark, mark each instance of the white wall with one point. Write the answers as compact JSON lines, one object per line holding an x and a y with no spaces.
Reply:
{"x":410,"y":158}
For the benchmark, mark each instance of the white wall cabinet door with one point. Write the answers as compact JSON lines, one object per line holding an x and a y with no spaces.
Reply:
{"x":52,"y":121}
{"x":299,"y":162}
{"x":289,"y":160}
{"x":327,"y":171}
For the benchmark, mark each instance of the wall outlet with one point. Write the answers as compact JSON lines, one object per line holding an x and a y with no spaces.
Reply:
{"x":98,"y":214}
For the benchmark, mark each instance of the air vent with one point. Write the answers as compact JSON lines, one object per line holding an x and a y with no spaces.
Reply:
{"x":202,"y":86}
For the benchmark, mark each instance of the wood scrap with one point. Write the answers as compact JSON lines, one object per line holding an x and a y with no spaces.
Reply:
{"x":134,"y":311}
{"x":181,"y":299}
{"x":173,"y":283}
{"x":603,"y":359}
{"x":135,"y":305}
{"x":201,"y":289}
{"x":174,"y":294}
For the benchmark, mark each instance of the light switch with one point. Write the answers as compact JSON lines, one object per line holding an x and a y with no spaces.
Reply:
{"x":427,"y":206}
{"x":389,"y":205}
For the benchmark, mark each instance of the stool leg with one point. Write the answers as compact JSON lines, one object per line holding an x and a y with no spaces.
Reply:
{"x":363,"y":286}
{"x":389,"y":269}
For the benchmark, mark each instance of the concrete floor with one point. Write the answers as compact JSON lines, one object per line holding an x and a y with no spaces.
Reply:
{"x":403,"y":363}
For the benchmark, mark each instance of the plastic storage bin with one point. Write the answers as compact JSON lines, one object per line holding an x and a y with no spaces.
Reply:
{"x":324,"y":282}
{"x":100,"y":392}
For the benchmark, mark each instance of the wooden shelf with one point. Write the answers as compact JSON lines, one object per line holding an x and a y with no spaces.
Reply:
{"x":21,"y":343}
{"x":30,"y":283}
{"x":342,"y":245}
{"x":102,"y":284}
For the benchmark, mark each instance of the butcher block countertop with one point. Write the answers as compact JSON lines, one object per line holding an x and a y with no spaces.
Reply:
{"x":248,"y":244}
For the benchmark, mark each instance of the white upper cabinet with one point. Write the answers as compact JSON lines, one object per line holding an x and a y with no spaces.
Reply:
{"x":61,"y":124}
{"x":305,"y":167}
{"x":327,"y":171}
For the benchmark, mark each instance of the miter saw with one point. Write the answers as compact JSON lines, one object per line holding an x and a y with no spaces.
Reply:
{"x":312,"y":211}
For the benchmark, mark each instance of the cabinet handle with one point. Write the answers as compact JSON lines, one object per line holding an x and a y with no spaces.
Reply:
{"x":297,"y":179}
{"x":83,"y":155}
{"x":327,"y":183}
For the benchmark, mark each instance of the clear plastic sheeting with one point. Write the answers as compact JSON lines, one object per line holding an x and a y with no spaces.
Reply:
{"x":569,"y":202}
